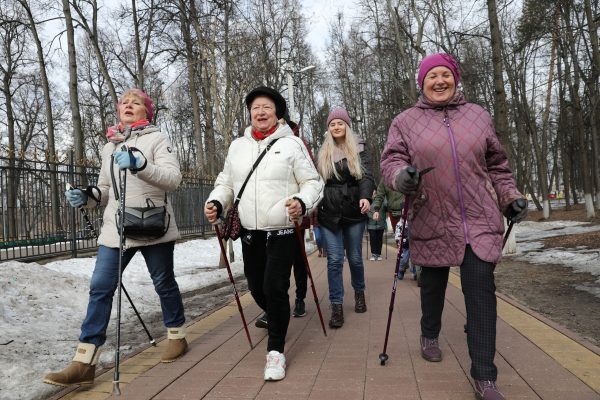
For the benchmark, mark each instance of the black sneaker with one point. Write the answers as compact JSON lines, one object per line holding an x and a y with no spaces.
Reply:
{"x":299,"y":309}
{"x":261,"y":322}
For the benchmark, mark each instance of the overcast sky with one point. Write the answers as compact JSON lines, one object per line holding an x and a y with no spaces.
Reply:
{"x":319,"y":13}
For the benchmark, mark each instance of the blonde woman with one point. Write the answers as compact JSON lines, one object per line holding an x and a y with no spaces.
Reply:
{"x":346,"y":168}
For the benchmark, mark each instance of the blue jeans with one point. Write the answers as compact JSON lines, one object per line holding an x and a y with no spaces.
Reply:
{"x":350,"y":239}
{"x":159,"y":260}
{"x":318,"y":237}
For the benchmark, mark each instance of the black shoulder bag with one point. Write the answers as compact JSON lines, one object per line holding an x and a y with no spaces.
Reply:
{"x":232,"y":226}
{"x":143,"y":223}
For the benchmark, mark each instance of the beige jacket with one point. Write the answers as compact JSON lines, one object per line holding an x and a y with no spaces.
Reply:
{"x":161,"y":174}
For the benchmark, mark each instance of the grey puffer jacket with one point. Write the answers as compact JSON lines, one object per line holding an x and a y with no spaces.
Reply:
{"x":161,"y":174}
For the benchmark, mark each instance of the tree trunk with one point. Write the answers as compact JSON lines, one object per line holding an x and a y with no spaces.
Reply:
{"x":562,"y":134}
{"x":51,"y":156}
{"x":500,"y":109}
{"x":594,"y":97}
{"x":92,"y":33}
{"x":573,"y":84}
{"x":73,"y":88}
{"x":139,"y":70}
{"x":406,"y":63}
{"x":191,"y":61}
{"x":11,"y":181}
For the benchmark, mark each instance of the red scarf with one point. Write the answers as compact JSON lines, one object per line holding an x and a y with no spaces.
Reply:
{"x":262,"y":135}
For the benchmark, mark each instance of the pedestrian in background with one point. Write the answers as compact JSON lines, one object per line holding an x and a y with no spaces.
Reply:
{"x":455,"y":210}
{"x":376,"y":227}
{"x":345,"y":166}
{"x":395,"y":202}
{"x":319,"y":241}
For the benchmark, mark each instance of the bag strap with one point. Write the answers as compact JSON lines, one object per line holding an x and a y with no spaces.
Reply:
{"x":260,"y":157}
{"x":112,"y":175}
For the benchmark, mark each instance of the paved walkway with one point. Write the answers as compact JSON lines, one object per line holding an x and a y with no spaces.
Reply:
{"x":536,"y":359}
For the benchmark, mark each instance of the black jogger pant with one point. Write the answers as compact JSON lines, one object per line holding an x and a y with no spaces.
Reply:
{"x":268,"y":260}
{"x":300,"y":274}
{"x":478,"y":287}
{"x":376,"y":239}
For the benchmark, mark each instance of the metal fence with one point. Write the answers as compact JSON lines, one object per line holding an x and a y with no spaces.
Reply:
{"x":36,"y":220}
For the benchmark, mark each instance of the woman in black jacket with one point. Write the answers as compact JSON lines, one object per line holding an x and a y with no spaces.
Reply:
{"x":345,"y":166}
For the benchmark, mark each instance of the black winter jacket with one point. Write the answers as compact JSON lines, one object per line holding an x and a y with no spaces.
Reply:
{"x":340,"y":205}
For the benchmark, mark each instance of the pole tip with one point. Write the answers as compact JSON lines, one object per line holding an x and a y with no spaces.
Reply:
{"x":116,"y":390}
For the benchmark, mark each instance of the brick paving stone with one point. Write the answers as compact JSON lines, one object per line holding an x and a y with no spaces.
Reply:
{"x":345,"y":365}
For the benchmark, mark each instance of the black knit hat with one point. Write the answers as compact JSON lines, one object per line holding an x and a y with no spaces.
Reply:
{"x":280,"y":104}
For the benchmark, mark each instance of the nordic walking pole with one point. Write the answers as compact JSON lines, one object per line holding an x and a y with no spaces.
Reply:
{"x":383,"y":357}
{"x":312,"y":283}
{"x":90,"y":226}
{"x":116,"y":389}
{"x":367,"y":236}
{"x":235,"y":292}
{"x":386,"y":240}
{"x":521,"y":203}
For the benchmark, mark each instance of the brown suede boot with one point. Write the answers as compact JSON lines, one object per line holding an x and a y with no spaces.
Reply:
{"x":360,"y":306}
{"x":176,"y":346}
{"x":82,"y":369}
{"x":337,"y":316}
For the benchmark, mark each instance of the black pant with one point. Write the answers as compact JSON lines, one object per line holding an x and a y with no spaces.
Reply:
{"x":376,"y":238}
{"x":478,"y":287}
{"x":267,"y":266}
{"x":300,"y":274}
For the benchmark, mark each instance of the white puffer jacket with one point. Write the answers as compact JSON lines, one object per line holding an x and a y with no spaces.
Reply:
{"x":161,"y":174}
{"x":285,"y":172}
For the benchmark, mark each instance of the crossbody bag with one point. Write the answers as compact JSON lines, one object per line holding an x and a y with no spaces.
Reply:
{"x":232,"y":226}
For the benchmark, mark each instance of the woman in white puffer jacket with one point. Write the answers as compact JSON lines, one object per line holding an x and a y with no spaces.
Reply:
{"x":282,"y":188}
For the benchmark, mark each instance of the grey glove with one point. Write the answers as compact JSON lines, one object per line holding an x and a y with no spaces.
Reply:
{"x":516,"y":211}
{"x":76,"y":197}
{"x":407,"y":180}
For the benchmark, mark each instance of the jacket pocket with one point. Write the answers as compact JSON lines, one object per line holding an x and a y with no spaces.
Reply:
{"x":426,"y":217}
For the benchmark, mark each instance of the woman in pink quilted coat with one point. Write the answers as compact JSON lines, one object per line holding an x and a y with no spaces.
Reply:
{"x":456,"y":209}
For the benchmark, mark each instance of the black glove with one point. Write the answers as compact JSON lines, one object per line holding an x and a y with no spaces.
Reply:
{"x":516,"y":211}
{"x":407,"y":180}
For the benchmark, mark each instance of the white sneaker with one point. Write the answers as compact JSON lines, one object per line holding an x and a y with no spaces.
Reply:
{"x":275,"y":367}
{"x":373,"y":258}
{"x":379,"y":258}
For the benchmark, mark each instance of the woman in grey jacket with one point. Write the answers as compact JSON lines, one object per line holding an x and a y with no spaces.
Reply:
{"x":152,"y":171}
{"x":284,"y":186}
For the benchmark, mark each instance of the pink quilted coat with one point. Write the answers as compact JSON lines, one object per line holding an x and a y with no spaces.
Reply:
{"x":460,"y":201}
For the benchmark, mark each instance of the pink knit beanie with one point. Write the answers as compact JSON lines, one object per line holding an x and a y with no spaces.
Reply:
{"x":148,"y":103}
{"x":437,"y":60}
{"x":339,"y":113}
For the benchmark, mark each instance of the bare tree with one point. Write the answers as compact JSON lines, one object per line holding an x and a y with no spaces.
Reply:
{"x":12,"y":52}
{"x":594,"y":77}
{"x":51,"y":155}
{"x":73,"y":86}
